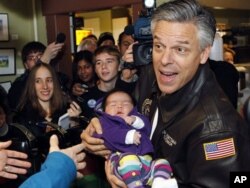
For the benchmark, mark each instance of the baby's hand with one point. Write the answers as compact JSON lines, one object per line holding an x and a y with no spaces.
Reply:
{"x":137,"y":138}
{"x":129,"y":120}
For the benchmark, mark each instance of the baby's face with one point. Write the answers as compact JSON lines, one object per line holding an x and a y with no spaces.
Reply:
{"x":119,"y":103}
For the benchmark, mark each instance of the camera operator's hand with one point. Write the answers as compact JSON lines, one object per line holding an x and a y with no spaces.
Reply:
{"x":94,"y":145}
{"x":112,"y":179}
{"x":74,"y":152}
{"x":12,"y":162}
{"x":128,"y":55}
{"x":51,"y":52}
{"x":129,"y":75}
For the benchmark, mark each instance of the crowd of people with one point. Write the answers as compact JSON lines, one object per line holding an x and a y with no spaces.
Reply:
{"x":171,"y":123}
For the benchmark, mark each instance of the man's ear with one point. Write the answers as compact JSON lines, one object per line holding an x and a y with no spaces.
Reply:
{"x":205,"y":54}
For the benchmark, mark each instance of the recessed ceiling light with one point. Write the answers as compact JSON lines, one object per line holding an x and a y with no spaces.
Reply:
{"x":219,"y":8}
{"x":149,"y":3}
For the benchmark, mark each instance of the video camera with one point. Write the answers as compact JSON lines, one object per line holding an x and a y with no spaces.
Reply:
{"x":141,"y":31}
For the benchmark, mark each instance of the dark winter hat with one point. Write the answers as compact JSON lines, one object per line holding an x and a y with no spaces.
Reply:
{"x":105,"y":36}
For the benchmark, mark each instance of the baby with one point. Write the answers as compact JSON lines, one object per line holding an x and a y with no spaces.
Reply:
{"x":126,"y":133}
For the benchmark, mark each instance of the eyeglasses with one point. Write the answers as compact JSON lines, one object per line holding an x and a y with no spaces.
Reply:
{"x":34,"y":57}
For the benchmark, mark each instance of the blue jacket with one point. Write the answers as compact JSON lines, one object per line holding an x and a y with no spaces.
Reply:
{"x":57,"y":171}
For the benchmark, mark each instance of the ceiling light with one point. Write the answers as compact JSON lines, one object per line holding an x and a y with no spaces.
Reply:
{"x":149,"y":3}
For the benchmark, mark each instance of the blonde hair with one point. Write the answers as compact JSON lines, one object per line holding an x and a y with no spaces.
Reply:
{"x":87,"y":44}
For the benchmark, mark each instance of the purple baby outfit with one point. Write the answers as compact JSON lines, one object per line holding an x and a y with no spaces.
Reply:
{"x":115,"y":130}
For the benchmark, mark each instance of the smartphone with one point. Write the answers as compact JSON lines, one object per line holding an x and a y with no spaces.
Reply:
{"x":60,"y":38}
{"x":84,"y":86}
{"x":64,"y":121}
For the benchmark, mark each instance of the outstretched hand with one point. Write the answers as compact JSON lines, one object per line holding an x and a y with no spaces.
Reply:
{"x":12,"y":162}
{"x":74,"y":152}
